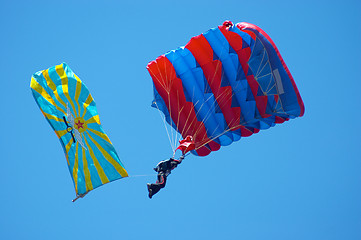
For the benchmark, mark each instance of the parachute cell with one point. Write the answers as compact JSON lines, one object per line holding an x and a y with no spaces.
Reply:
{"x":227,"y":83}
{"x":71,"y":111}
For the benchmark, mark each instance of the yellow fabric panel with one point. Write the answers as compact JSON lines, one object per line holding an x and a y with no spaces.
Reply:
{"x":109,"y":158}
{"x":67,"y":149}
{"x":52,"y":86}
{"x":88,"y":182}
{"x":49,"y":81}
{"x":99,"y":169}
{"x":52,"y":117}
{"x":75,"y":168}
{"x":86,"y":103}
{"x":61,"y":133}
{"x":64,"y":83}
{"x":94,"y":119}
{"x":100,"y":134}
{"x":77,"y":92}
{"x":38,"y":88}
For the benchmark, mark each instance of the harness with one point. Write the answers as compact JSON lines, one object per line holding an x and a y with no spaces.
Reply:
{"x":165,"y":166}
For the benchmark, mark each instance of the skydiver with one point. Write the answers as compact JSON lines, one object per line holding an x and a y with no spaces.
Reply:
{"x":163,"y":169}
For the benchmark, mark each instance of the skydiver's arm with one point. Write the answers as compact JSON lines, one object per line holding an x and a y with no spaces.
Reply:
{"x":174,"y":163}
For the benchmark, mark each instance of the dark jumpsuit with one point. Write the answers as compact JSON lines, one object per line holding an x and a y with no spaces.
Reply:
{"x":163,"y":168}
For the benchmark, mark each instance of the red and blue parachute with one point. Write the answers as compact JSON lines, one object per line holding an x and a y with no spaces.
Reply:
{"x":227,"y":83}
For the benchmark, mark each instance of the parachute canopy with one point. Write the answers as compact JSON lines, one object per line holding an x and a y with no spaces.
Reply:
{"x":71,"y":111}
{"x":227,"y":83}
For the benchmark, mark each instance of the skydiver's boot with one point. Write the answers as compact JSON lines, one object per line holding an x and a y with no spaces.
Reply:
{"x":150,"y":191}
{"x":153,"y":189}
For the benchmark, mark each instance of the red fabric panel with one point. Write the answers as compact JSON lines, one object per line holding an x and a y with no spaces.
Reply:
{"x":170,"y":88}
{"x":235,"y":41}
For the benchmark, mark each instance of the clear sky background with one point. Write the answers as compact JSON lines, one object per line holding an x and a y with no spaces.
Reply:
{"x":298,"y":180}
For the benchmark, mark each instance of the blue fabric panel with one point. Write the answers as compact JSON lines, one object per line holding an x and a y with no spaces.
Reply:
{"x":230,"y":65}
{"x":245,"y":37}
{"x":203,"y":100}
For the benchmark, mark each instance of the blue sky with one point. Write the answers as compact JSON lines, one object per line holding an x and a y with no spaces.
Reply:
{"x":298,"y":180}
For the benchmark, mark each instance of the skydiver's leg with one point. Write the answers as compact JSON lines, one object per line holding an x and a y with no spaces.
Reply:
{"x":155,"y":187}
{"x":162,"y":179}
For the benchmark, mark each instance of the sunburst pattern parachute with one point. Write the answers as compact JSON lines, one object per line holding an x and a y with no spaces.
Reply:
{"x":71,"y":111}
